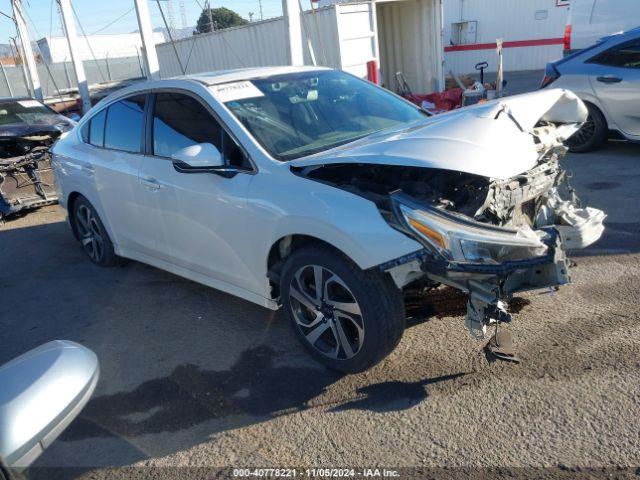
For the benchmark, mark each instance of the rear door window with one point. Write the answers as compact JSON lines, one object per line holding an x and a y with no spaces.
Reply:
{"x":625,"y":56}
{"x":124,"y":124}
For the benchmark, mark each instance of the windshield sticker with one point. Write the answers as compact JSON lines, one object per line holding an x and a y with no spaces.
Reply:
{"x":228,"y":92}
{"x":29,"y":103}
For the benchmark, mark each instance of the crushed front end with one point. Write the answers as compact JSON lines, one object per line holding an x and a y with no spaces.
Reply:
{"x":483,"y":191}
{"x":515,"y":241}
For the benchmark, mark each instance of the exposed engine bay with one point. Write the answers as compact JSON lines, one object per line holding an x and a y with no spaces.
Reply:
{"x":513,"y":202}
{"x":26,"y":179}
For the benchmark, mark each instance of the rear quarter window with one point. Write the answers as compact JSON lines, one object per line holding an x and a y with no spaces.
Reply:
{"x":124,"y":124}
{"x":96,"y":130}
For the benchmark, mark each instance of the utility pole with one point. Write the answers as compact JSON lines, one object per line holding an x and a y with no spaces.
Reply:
{"x":70,"y":30}
{"x":146,"y":32}
{"x":32,"y":69}
{"x":291,"y":11}
{"x":250,"y":17}
{"x":210,"y":15}
{"x":260,"y":6}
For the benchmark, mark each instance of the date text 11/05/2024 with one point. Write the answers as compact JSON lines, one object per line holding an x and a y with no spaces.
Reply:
{"x":315,"y":472}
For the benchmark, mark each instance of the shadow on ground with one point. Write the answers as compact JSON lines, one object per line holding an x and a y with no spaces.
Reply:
{"x":253,"y":390}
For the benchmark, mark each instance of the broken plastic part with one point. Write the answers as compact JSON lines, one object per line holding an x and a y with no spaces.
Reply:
{"x":501,"y":346}
{"x":578,"y":227}
{"x":480,"y":314}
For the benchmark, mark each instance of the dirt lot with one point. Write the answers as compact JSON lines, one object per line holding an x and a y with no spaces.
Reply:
{"x":195,"y":377}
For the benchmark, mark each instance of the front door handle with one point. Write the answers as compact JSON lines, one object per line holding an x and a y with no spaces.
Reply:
{"x":151,"y":183}
{"x":609,"y":79}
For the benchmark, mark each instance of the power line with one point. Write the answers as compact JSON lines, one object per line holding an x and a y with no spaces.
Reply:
{"x":173,"y":44}
{"x":46,"y":66}
{"x":86,"y":38}
{"x":113,"y":21}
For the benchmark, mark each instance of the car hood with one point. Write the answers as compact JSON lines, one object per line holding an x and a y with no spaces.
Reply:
{"x":492,"y":139}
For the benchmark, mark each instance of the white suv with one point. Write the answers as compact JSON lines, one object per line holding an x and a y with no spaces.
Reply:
{"x":313,"y":190}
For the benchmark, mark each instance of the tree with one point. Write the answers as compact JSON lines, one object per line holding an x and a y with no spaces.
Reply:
{"x":221,"y":17}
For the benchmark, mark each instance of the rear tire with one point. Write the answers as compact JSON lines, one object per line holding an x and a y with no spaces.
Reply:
{"x":92,"y":234}
{"x":592,"y":133}
{"x":347,"y":318}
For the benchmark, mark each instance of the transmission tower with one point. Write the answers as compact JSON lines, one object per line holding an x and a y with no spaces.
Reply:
{"x":183,"y":15}
{"x":170,"y":15}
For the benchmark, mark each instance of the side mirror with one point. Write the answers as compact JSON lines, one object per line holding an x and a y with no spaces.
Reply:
{"x":41,"y":392}
{"x":202,"y":157}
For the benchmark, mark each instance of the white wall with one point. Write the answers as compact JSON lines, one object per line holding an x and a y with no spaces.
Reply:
{"x":56,"y":49}
{"x":511,"y":20}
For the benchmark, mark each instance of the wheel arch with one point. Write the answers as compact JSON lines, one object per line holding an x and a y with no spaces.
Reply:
{"x":71,"y":201}
{"x":594,"y":102}
{"x":72,"y":198}
{"x":284,"y":247}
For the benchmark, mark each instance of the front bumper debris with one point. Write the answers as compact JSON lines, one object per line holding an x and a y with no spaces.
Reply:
{"x":490,"y":286}
{"x":26,"y":184}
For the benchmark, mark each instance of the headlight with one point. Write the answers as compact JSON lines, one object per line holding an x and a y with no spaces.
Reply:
{"x":459,"y":239}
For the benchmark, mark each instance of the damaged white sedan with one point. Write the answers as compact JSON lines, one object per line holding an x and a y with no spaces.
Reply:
{"x":313,"y":190}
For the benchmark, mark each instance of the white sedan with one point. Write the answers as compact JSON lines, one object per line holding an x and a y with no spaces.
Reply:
{"x":316,"y":191}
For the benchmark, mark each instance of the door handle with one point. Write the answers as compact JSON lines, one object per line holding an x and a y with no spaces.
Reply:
{"x":151,"y":183}
{"x":609,"y":79}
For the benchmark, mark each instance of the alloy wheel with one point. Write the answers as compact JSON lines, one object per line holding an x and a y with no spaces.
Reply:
{"x":326,"y":312}
{"x":90,"y":234}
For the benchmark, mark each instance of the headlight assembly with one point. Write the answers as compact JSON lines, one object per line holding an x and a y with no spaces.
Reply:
{"x":461,"y":239}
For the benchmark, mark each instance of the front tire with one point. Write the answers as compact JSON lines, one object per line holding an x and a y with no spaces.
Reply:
{"x":347,"y":318}
{"x":92,"y":234}
{"x":592,"y":133}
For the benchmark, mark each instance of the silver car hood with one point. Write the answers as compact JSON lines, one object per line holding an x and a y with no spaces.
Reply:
{"x":493,"y":139}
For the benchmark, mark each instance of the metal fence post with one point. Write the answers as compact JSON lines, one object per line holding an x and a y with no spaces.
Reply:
{"x":66,"y":73}
{"x":6,"y":79}
{"x":106,"y":61}
{"x":140,"y":63}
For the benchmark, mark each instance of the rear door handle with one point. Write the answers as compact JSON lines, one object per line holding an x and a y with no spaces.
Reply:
{"x":151,"y":183}
{"x":609,"y":79}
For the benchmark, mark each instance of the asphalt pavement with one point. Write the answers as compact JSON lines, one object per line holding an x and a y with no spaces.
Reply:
{"x":194,"y":377}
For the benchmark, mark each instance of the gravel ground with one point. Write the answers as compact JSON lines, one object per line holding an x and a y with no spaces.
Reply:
{"x":194,"y":377}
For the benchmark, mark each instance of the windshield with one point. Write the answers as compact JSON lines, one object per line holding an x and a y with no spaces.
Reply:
{"x":299,"y":114}
{"x":25,"y":111}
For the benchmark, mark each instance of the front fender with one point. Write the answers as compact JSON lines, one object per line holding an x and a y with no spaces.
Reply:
{"x":283,"y":204}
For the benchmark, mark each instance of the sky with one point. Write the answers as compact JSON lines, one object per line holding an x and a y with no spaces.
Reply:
{"x":102,"y":16}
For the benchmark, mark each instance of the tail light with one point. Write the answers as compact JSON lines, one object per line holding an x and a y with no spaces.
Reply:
{"x":567,"y":37}
{"x":551,"y":74}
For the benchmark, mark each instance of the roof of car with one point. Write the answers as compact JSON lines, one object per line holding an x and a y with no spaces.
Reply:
{"x":15,"y":99}
{"x":633,"y":32}
{"x":235,"y":75}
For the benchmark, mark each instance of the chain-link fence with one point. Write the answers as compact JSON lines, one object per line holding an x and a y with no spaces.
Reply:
{"x":58,"y":77}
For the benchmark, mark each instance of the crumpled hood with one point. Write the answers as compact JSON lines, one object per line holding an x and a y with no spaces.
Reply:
{"x":492,"y":139}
